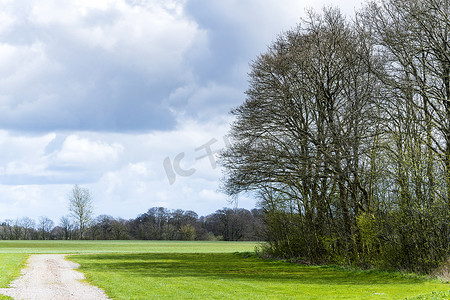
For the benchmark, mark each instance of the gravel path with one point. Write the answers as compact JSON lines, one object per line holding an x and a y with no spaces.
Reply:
{"x":51,"y":276}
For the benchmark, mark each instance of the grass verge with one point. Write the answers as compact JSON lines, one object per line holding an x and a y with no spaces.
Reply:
{"x":234,"y":276}
{"x":10,"y":266}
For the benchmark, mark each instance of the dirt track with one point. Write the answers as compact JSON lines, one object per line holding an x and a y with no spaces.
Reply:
{"x":51,"y":276}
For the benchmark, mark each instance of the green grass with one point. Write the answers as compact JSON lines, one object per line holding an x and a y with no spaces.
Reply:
{"x":13,"y":254}
{"x":10,"y":266}
{"x":433,"y":296}
{"x":211,"y":270}
{"x":233,"y":276}
{"x":30,"y":247}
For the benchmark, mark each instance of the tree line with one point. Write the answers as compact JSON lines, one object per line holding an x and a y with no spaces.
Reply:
{"x":344,"y":137}
{"x":158,"y":223}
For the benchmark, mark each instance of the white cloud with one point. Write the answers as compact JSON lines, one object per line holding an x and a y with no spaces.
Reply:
{"x":153,"y":35}
{"x":125,"y":172}
{"x":21,"y":64}
{"x":33,"y":201}
{"x":23,"y":154}
{"x":6,"y":22}
{"x":92,"y":64}
{"x":82,"y":152}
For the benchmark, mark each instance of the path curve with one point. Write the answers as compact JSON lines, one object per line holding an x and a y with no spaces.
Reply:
{"x":51,"y":276}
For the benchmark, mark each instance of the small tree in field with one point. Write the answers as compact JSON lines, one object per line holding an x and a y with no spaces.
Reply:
{"x":80,"y":207}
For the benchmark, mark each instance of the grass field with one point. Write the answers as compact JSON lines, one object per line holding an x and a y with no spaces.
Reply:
{"x":234,"y":276}
{"x":213,"y":270}
{"x":30,"y":247}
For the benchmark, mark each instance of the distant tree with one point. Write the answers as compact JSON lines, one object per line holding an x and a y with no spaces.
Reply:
{"x":28,"y":227}
{"x":67,"y":227}
{"x":106,"y":227}
{"x":120,"y":230}
{"x":57,"y":233}
{"x":159,"y":223}
{"x":3,"y":233}
{"x":102,"y":229}
{"x":18,"y":232}
{"x":8,"y":229}
{"x":45,"y":227}
{"x":187,"y":232}
{"x":80,"y":207}
{"x":232,"y":224}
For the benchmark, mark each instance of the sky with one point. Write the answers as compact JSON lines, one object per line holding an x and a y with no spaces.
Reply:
{"x":128,"y":98}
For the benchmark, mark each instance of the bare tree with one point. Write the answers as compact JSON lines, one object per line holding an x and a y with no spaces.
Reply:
{"x":28,"y":226}
{"x":413,"y":37}
{"x":18,"y":232}
{"x":303,"y":135}
{"x":80,"y":206}
{"x":45,"y":226}
{"x":345,"y":137}
{"x":67,"y":227}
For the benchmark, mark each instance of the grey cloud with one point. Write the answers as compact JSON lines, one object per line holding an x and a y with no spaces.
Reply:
{"x":93,"y":75}
{"x":79,"y":85}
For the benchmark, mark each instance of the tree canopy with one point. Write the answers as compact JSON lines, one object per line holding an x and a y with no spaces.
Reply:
{"x":345,"y":137}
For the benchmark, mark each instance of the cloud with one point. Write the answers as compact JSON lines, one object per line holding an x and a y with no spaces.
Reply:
{"x":83,"y":153}
{"x":119,"y":66}
{"x":33,"y":201}
{"x":212,"y":100}
{"x":6,"y":22}
{"x":22,"y":155}
{"x":124,"y":171}
{"x":93,"y":65}
{"x":54,"y":159}
{"x":152,"y":35}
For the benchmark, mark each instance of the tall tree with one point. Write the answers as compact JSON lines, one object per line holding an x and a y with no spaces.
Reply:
{"x":81,"y":208}
{"x":302,"y":137}
{"x":413,"y":36}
